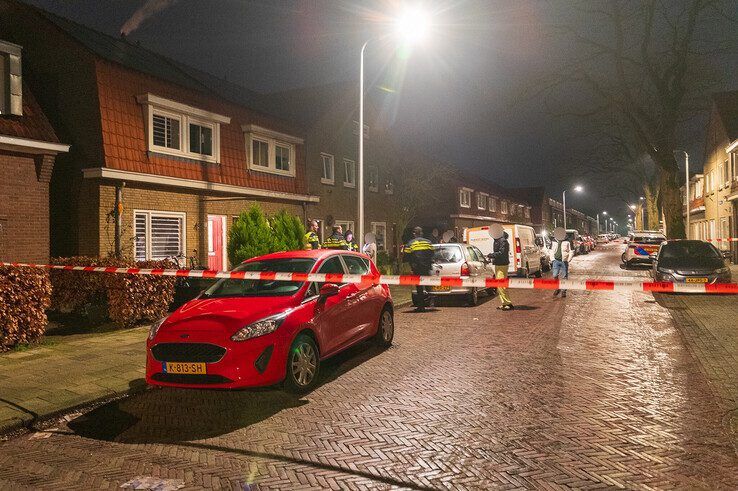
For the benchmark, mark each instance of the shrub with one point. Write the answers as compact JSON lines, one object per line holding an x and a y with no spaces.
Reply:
{"x":253,"y":234}
{"x":288,"y":232}
{"x":129,"y":298}
{"x":385,"y":264}
{"x":250,"y":236}
{"x":25,"y":294}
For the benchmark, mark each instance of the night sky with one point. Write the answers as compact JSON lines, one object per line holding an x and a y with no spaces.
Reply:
{"x":460,"y":98}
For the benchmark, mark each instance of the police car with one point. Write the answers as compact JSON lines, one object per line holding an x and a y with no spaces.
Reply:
{"x":641,"y":245}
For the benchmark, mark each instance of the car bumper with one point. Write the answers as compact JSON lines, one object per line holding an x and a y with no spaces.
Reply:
{"x":256,"y":362}
{"x":451,"y":291}
{"x":677,"y":278}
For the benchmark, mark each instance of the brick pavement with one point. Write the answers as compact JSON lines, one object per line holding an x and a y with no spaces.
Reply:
{"x":595,"y":391}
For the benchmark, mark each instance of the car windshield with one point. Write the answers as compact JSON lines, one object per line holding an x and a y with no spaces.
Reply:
{"x":649,"y":239}
{"x":447,"y":254}
{"x":258,"y":288}
{"x":689,"y":251}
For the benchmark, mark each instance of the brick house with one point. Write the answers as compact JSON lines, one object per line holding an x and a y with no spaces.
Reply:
{"x":329,"y":116}
{"x":28,"y":149}
{"x":163,"y":156}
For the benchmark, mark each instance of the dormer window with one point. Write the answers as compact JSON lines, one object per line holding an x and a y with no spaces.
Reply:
{"x":180,"y":130}
{"x":11,"y":85}
{"x":270,"y":151}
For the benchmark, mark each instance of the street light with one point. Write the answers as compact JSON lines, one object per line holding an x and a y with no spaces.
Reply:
{"x":686,"y":188}
{"x":643,"y":212}
{"x":412,"y":26}
{"x":576,"y":189}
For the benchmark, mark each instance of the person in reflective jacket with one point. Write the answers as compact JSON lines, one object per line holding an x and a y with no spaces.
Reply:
{"x":336,"y":240}
{"x":419,"y":253}
{"x":353,"y":246}
{"x":500,"y":257}
{"x":312,"y":241}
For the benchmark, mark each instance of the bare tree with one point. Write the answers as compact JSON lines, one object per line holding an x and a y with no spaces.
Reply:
{"x":642,"y":66}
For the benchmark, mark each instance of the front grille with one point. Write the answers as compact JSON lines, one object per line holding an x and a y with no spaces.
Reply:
{"x":188,"y":352}
{"x":178,"y":378}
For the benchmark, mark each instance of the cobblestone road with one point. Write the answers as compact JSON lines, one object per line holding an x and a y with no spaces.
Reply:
{"x":593,"y":391}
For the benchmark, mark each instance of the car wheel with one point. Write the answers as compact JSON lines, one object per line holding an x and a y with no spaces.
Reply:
{"x":303,"y":364}
{"x":473,"y":297}
{"x":385,"y":329}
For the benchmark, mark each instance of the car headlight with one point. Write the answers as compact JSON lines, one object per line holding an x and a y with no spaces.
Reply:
{"x":155,"y":327}
{"x":260,"y":328}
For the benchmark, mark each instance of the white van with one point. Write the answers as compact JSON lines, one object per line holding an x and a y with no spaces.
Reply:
{"x":525,"y":255}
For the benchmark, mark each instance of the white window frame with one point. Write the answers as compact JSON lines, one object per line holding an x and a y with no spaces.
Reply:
{"x":348,"y":184}
{"x":332,"y":160}
{"x":272,"y":138}
{"x":11,"y":88}
{"x":186,"y":114}
{"x":252,"y":161}
{"x":166,"y":214}
{"x":484,"y":197}
{"x":374,"y":231}
{"x":465,"y":193}
{"x":492,"y":204}
{"x":504,"y":207}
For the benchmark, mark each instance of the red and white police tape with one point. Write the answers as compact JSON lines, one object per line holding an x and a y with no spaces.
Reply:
{"x":412,"y":280}
{"x":727,"y":239}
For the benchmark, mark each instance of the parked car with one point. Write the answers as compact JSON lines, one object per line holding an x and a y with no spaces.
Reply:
{"x":544,"y":243}
{"x":248,"y":333}
{"x":525,"y":255}
{"x":642,"y":245}
{"x":575,"y":240}
{"x":603,"y":239}
{"x":460,"y":260}
{"x":690,"y":261}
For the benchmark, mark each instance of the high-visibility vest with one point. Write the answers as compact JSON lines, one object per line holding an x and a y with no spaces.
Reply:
{"x":312,"y":241}
{"x":336,"y":241}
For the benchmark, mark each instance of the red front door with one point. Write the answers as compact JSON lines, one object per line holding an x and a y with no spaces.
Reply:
{"x":215,"y":242}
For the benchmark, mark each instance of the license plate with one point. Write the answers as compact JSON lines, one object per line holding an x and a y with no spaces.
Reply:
{"x":440,"y":288}
{"x":184,"y":368}
{"x":696,"y":280}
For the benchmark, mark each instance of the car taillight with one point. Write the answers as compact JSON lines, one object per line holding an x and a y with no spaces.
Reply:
{"x":517,"y":246}
{"x":465,"y":270}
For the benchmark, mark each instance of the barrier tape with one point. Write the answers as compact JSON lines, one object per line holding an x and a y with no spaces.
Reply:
{"x":412,"y":280}
{"x":727,"y":239}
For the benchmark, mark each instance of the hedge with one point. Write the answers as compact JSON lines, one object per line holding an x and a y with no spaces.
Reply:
{"x":130,"y":298}
{"x":25,"y":294}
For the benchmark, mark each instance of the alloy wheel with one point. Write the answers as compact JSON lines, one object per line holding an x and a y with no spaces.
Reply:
{"x":304,"y":364}
{"x":387,"y":325}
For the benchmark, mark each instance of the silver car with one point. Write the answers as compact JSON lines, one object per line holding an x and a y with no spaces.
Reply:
{"x":460,"y":260}
{"x":690,"y":261}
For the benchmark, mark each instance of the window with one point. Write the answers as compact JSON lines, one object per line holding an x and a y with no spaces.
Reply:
{"x":373,"y":179}
{"x":259,"y":153}
{"x":465,"y":198}
{"x":356,"y":130}
{"x":734,"y":166}
{"x":349,"y":173}
{"x":11,"y":85}
{"x":166,"y":131}
{"x":332,"y":265}
{"x":725,"y":233}
{"x":180,"y":130}
{"x":159,"y":235}
{"x":726,"y":172}
{"x":328,"y":169}
{"x":481,"y":201}
{"x":283,"y":157}
{"x":503,"y":207}
{"x":379,"y":229}
{"x":492,"y":204}
{"x":355,"y":264}
{"x":345,"y":225}
{"x":201,"y":139}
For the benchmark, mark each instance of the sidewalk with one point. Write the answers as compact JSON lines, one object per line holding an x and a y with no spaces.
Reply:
{"x":68,"y":371}
{"x":710,"y":331}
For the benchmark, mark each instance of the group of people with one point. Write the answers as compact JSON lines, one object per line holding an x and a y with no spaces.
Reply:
{"x":419,"y":253}
{"x":337,"y":240}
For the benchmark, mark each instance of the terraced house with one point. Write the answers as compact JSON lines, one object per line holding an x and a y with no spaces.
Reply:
{"x":163,"y":156}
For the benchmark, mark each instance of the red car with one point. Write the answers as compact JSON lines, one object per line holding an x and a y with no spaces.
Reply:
{"x":248,"y":333}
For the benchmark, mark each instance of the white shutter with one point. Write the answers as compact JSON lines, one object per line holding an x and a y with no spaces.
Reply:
{"x":140,"y":247}
{"x":166,"y":235}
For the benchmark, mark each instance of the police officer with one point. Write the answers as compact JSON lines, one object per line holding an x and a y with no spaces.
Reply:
{"x":419,"y":253}
{"x":501,"y":260}
{"x":336,"y":240}
{"x":311,"y":237}
{"x":353,"y":246}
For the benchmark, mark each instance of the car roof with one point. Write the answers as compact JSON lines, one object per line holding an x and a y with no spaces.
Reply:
{"x":316,"y":254}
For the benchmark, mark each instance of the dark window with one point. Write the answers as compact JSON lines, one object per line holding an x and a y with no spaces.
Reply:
{"x":166,"y":131}
{"x":259,"y":288}
{"x":356,"y":265}
{"x":201,"y":139}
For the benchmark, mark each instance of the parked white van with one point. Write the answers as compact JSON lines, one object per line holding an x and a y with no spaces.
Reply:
{"x":525,"y":256}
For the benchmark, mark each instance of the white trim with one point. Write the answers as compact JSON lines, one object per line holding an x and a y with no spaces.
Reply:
{"x":486,"y":199}
{"x":147,"y":247}
{"x":224,"y":238}
{"x":324,"y":180}
{"x":266,"y":132}
{"x":346,"y":183}
{"x":477,"y":217}
{"x":38,"y":146}
{"x":156,"y":101}
{"x":272,"y":141}
{"x":108,"y":173}
{"x":732,"y":146}
{"x":467,"y":192}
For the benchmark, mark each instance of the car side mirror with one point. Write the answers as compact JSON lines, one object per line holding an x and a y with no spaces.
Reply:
{"x":328,"y":290}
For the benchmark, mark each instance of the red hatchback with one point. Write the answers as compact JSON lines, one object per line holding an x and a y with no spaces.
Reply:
{"x":248,"y":333}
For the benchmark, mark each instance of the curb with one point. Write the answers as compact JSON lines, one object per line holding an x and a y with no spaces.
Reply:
{"x":14,"y":426}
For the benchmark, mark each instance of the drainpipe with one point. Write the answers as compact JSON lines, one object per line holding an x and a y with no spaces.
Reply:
{"x":119,"y":218}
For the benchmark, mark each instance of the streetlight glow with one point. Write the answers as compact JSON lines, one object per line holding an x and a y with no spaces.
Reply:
{"x":578,"y":189}
{"x":633,"y":207}
{"x":413,"y":25}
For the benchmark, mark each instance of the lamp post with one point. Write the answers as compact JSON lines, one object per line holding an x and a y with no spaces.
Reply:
{"x":643,"y":212}
{"x":577,"y":189}
{"x":686,"y":189}
{"x":411,"y":26}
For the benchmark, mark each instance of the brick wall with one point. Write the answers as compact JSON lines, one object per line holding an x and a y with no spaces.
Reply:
{"x":151,"y":198}
{"x":24,"y":209}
